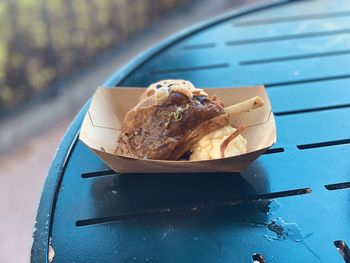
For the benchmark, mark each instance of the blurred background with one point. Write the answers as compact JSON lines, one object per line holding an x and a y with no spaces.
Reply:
{"x":53,"y":55}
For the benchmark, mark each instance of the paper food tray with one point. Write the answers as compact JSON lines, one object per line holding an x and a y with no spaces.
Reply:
{"x":103,"y":121}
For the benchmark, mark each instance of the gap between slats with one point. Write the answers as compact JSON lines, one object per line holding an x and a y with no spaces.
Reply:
{"x":302,"y":81}
{"x":287,"y":37}
{"x":292,"y":112}
{"x":190,"y":207}
{"x":296,"y":57}
{"x":337,"y":186}
{"x":292,"y":18}
{"x":322,"y":144}
{"x":199,"y":46}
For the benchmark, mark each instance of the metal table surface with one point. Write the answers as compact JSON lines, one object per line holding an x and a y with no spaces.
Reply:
{"x":301,"y":52}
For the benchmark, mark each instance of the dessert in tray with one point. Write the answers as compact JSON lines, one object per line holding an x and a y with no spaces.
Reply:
{"x":176,"y":121}
{"x":172,"y":126}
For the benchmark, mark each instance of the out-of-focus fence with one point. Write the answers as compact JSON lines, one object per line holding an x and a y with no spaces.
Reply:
{"x":45,"y":40}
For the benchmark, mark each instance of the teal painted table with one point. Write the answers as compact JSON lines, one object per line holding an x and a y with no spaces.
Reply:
{"x":291,"y":205}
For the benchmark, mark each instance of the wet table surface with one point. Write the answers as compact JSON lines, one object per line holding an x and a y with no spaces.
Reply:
{"x":290,"y":205}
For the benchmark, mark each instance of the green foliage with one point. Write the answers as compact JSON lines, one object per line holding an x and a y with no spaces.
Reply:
{"x":45,"y":40}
